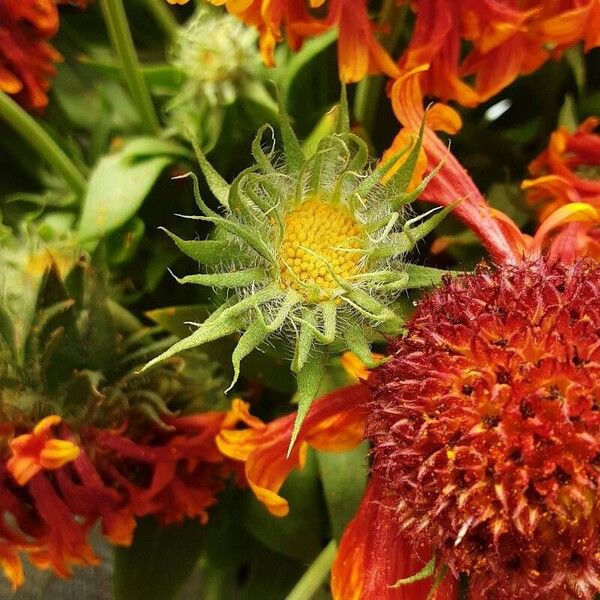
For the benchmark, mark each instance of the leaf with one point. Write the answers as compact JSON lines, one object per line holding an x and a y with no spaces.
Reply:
{"x":420,"y":276}
{"x":176,"y":319}
{"x":116,"y":190}
{"x":225,"y":280}
{"x":158,"y":562}
{"x":427,"y":571}
{"x":294,"y":156}
{"x":344,"y":478}
{"x":7,"y":331}
{"x":299,"y":534}
{"x":300,"y":59}
{"x":206,"y":252}
{"x":309,"y":382}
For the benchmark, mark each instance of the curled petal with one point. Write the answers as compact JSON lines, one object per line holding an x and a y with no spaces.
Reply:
{"x":452,"y":183}
{"x":335,"y":423}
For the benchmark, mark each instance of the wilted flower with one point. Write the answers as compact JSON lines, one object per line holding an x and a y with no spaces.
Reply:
{"x":310,"y":249}
{"x":216,"y":53}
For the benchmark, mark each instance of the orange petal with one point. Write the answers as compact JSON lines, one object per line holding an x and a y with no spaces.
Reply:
{"x":46,"y":424}
{"x":335,"y":422}
{"x":373,"y":555}
{"x":57,"y":453}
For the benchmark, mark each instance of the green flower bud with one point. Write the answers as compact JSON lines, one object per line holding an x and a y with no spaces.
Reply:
{"x":310,"y":249}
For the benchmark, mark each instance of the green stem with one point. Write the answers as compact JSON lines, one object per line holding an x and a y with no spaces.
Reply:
{"x":315,"y":575}
{"x":30,"y":130}
{"x":163,"y":16}
{"x":122,"y":42}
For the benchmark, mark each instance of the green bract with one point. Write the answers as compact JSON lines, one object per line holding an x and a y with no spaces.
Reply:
{"x":310,"y":250}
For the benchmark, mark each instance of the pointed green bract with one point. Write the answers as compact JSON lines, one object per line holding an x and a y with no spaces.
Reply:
{"x":309,"y":248}
{"x":310,"y":377}
{"x":427,"y":571}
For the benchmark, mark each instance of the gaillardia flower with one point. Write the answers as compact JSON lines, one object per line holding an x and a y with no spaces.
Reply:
{"x":486,"y":432}
{"x":310,"y":249}
{"x":84,"y":440}
{"x":26,"y":58}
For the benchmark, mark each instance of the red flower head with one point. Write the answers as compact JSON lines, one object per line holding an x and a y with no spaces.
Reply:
{"x":26,"y":58}
{"x":486,"y":430}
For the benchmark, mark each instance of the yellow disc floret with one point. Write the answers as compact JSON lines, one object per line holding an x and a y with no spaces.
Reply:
{"x":318,"y":234}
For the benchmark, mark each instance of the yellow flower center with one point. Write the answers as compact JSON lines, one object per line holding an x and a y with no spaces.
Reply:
{"x":318,"y":234}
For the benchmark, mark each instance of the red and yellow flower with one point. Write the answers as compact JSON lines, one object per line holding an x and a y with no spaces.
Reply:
{"x":506,"y":39}
{"x":57,"y":483}
{"x":26,"y":57}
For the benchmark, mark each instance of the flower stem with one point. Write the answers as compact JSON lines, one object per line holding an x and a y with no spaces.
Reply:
{"x":30,"y":130}
{"x":315,"y":575}
{"x":122,"y":42}
{"x":163,"y":16}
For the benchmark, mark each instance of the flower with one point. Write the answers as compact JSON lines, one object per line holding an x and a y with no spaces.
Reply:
{"x":567,"y":170}
{"x":39,"y":450}
{"x":565,"y":234}
{"x":504,"y":40}
{"x":485,"y":431}
{"x":26,"y":58}
{"x":216,"y":54}
{"x":359,"y":52}
{"x":336,"y":423}
{"x":310,"y":249}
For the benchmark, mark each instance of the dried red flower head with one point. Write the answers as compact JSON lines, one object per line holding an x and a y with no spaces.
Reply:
{"x":486,"y":429}
{"x":26,"y":58}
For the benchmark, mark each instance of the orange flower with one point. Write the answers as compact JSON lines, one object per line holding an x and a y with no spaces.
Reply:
{"x":506,"y":39}
{"x":451,"y":183}
{"x":39,"y":450}
{"x":26,"y":58}
{"x":334,"y":423}
{"x":559,"y":235}
{"x":54,"y":491}
{"x":567,"y":171}
{"x":358,"y":50}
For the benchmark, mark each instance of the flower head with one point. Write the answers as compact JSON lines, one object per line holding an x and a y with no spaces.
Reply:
{"x":32,"y":452}
{"x":310,"y":249}
{"x":215,"y":52}
{"x":486,"y":430}
{"x":26,"y":58}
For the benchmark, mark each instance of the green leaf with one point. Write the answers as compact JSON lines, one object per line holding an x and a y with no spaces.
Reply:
{"x":207,"y":332}
{"x":420,"y":277}
{"x":158,"y":562}
{"x":344,"y":478}
{"x":176,"y":319}
{"x":225,"y":280}
{"x":298,"y":535}
{"x":300,"y":59}
{"x":117,"y":188}
{"x":294,"y":156}
{"x":206,"y":252}
{"x":218,"y":186}
{"x":316,"y":574}
{"x":309,"y":382}
{"x":250,"y":340}
{"x":427,"y":571}
{"x":7,"y":331}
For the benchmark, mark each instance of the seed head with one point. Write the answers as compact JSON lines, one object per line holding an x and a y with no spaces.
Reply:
{"x":486,"y":428}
